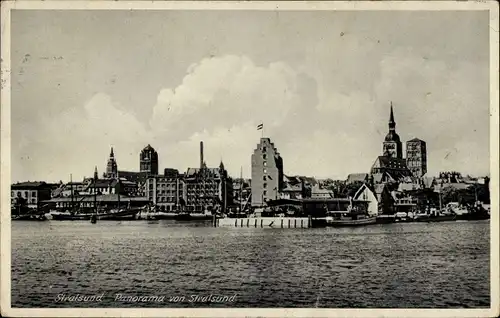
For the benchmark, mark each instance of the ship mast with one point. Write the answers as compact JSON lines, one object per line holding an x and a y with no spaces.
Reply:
{"x":95,"y":191}
{"x":440,"y":201}
{"x":71,"y":185}
{"x":225,"y":197}
{"x":118,"y":190}
{"x":241,"y":189}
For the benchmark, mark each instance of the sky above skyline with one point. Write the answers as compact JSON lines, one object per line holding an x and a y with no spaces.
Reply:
{"x":320,"y":81}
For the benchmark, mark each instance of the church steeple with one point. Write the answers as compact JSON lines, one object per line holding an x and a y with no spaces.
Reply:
{"x":392,"y":146}
{"x":112,"y":166}
{"x":96,"y":175}
{"x":392,"y":123}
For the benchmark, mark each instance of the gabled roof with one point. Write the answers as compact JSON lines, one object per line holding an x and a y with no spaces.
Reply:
{"x":133,"y":176}
{"x":395,"y":166}
{"x":211,"y":172}
{"x":363,"y":187}
{"x":390,"y":162}
{"x":30,"y":185}
{"x":415,"y":139}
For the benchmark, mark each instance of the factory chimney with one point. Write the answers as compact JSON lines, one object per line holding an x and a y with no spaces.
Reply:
{"x":201,"y":155}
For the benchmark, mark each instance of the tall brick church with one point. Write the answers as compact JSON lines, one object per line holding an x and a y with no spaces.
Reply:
{"x":391,"y":166}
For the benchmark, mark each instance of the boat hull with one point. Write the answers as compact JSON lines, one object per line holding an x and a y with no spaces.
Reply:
{"x":193,"y":217}
{"x":386,"y":219}
{"x":350,"y":223}
{"x":116,"y":216}
{"x":473,"y":216}
{"x":164,"y":216}
{"x":441,"y":218}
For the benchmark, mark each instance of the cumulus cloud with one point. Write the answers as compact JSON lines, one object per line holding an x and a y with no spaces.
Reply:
{"x":76,"y":140}
{"x":224,"y":91}
{"x":321,"y":127}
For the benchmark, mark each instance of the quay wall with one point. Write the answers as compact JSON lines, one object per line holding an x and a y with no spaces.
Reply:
{"x":264,"y":222}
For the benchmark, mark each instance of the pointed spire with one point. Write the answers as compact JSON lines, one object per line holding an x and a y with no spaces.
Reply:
{"x":392,"y":122}
{"x":391,"y":119}
{"x":111,"y":153}
{"x":96,"y":175}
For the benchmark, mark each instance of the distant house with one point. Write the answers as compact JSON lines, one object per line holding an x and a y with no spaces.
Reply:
{"x":357,"y":177}
{"x":384,"y":198}
{"x":32,"y":193}
{"x":111,"y":186}
{"x":320,"y":193}
{"x":456,"y":186}
{"x":297,"y":187}
{"x":64,"y":190}
{"x":365,"y":194}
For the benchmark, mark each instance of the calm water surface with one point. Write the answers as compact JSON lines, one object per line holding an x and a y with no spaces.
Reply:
{"x":435,"y":265}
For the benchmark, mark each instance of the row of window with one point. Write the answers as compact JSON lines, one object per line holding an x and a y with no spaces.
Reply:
{"x":32,"y":201}
{"x":166,"y":199}
{"x":23,"y":193}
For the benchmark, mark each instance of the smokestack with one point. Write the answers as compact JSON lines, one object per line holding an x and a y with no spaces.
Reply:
{"x":201,"y":154}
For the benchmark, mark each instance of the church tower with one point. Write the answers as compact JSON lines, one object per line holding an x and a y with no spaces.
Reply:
{"x":148,"y":161}
{"x":392,"y":144}
{"x":111,"y":167}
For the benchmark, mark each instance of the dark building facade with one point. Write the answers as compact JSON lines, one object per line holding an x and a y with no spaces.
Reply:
{"x":167,"y":191}
{"x":30,"y":193}
{"x":416,"y":157}
{"x":267,"y":173}
{"x":208,"y":188}
{"x":392,"y":146}
{"x":148,"y":160}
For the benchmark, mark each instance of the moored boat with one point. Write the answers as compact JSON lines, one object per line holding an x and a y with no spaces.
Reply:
{"x":436,"y":216}
{"x":476,"y":213}
{"x":122,"y":214}
{"x":160,"y":215}
{"x":35,"y":216}
{"x":188,"y":216}
{"x":345,"y":220}
{"x":386,"y":218}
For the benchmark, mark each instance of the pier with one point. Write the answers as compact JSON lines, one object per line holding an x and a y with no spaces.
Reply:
{"x":264,"y":222}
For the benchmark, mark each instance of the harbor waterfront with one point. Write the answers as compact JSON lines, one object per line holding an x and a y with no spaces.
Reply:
{"x":441,"y":265}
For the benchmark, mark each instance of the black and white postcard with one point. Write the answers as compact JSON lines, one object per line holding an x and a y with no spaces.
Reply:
{"x":240,"y":159}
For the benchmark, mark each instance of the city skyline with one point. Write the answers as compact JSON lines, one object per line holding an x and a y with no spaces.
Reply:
{"x":324,"y":100}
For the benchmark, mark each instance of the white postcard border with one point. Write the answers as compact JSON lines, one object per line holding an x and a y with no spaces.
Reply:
{"x":5,"y":278}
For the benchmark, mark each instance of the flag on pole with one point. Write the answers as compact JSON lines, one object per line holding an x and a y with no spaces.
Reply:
{"x":260,"y":126}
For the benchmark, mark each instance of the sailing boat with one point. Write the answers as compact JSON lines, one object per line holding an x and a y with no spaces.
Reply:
{"x":95,"y":214}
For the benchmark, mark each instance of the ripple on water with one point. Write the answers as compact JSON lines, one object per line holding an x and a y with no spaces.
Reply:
{"x":412,"y":265}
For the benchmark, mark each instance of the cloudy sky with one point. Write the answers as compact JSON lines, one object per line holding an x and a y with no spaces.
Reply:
{"x":321,"y":82}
